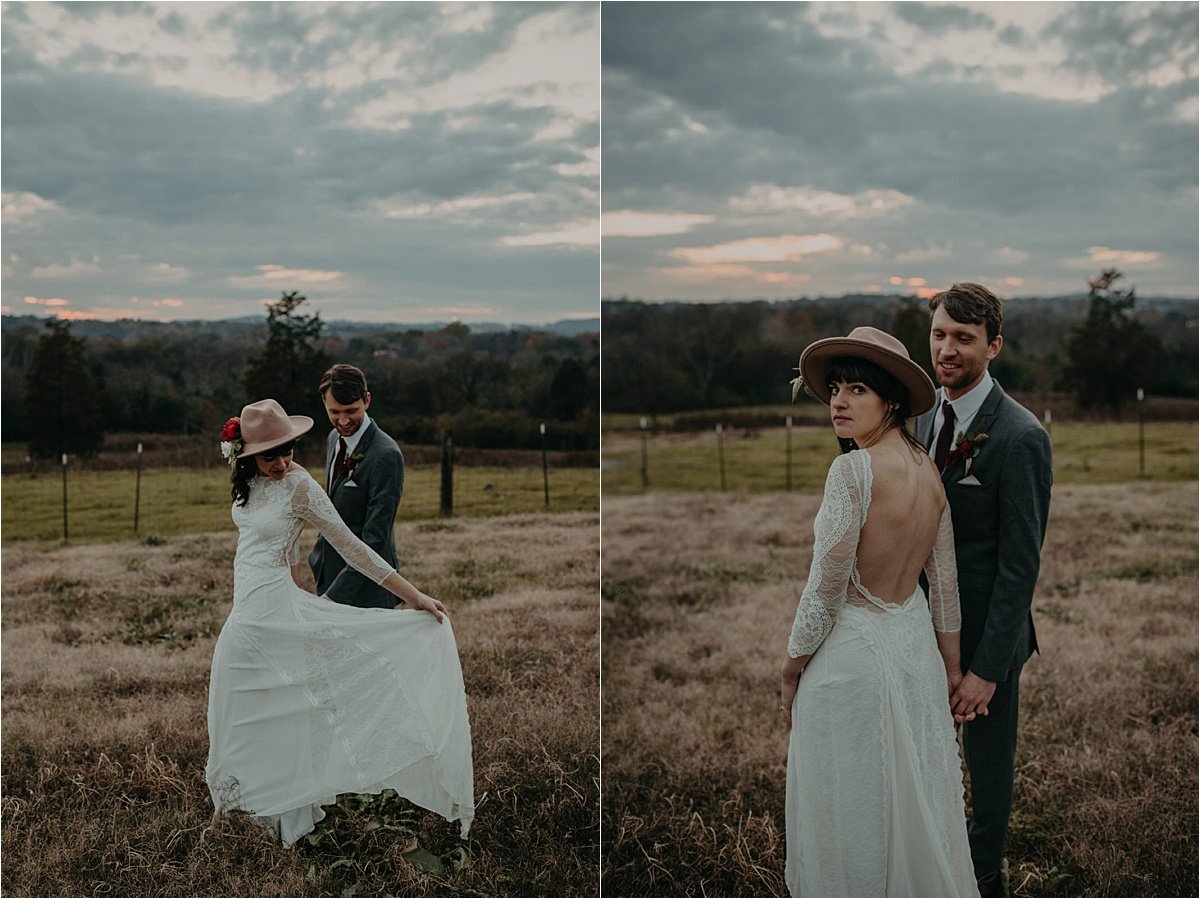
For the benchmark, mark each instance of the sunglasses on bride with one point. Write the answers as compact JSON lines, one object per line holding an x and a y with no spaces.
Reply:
{"x":272,"y":454}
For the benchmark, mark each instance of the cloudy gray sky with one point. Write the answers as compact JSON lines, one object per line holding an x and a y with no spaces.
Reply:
{"x":791,"y":149}
{"x":394,"y":162}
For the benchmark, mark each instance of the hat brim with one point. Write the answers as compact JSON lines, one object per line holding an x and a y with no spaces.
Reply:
{"x":300,"y":425}
{"x":817,"y":358}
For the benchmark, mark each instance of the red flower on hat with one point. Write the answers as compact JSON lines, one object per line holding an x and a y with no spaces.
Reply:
{"x":231,"y":440}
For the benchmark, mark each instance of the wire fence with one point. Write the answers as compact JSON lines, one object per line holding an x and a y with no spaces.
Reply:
{"x":160,"y":486}
{"x":791,"y":456}
{"x":751,"y":459}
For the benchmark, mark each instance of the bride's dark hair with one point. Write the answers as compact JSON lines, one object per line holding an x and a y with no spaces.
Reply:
{"x":852,"y":369}
{"x":244,"y":471}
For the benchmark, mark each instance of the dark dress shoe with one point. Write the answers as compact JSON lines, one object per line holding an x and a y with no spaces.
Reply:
{"x":996,"y":883}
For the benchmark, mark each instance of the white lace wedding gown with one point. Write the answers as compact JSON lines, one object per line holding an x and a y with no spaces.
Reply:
{"x":874,"y":786}
{"x":309,"y":699}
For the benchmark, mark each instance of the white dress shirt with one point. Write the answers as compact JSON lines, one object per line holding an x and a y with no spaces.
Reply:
{"x":966,"y":407}
{"x":351,"y":443}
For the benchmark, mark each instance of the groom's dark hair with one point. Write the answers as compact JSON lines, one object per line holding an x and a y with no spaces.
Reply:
{"x":347,"y":383}
{"x":971,"y":304}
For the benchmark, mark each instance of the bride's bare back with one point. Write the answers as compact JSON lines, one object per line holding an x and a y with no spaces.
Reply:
{"x":906,"y":507}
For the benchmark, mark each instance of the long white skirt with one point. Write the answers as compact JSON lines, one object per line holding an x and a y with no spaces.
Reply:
{"x":310,"y":699}
{"x":874,"y":785}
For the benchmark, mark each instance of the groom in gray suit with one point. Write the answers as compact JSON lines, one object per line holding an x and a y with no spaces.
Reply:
{"x":364,"y":476}
{"x":996,"y":467}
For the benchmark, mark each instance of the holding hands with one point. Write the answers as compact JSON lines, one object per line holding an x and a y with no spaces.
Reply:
{"x":969,"y":696}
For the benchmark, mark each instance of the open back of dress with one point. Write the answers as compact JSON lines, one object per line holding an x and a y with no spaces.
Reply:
{"x":874,"y":787}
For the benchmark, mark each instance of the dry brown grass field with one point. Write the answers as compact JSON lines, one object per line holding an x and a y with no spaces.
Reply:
{"x":106,"y":652}
{"x":699,"y":593}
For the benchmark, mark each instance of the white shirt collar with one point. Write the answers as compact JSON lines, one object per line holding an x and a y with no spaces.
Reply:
{"x":966,"y":407}
{"x":353,"y":439}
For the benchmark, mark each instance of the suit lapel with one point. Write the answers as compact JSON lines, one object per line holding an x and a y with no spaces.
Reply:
{"x":989,"y":410}
{"x":924,"y":427}
{"x":330,"y":451}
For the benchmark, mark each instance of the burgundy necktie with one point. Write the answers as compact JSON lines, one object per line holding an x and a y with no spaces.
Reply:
{"x":339,"y":465}
{"x":945,"y":435}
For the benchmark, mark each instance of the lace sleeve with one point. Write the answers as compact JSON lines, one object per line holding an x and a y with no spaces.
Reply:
{"x":310,"y":503}
{"x":293,"y":552}
{"x":836,"y":531}
{"x":941,"y":570}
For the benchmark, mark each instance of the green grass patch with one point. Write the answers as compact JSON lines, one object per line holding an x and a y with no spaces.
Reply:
{"x":1108,"y":453}
{"x":757,"y":461}
{"x":165,"y":619}
{"x":802,"y":413}
{"x":100,"y":504}
{"x":473,"y":578}
{"x":1153,"y":570}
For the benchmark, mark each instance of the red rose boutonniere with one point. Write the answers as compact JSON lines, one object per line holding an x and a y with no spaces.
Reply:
{"x":348,"y":465}
{"x":966,"y":447}
{"x":231,"y":440}
{"x":354,"y":458}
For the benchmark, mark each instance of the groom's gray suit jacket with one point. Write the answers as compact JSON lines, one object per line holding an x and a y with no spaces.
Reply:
{"x":999,"y":526}
{"x":367,"y":499}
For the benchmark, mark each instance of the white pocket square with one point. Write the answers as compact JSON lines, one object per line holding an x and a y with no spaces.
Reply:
{"x":352,"y":484}
{"x":970,"y":481}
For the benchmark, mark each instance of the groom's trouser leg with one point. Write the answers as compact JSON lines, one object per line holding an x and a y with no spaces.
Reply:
{"x":990,"y":748}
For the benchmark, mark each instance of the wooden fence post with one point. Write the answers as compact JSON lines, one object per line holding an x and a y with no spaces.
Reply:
{"x":721,"y":454}
{"x":1141,"y":401}
{"x":645,"y":472}
{"x":545,"y":470}
{"x":447,"y":504}
{"x":64,"y":468}
{"x":137,"y":493}
{"x":788,"y":479}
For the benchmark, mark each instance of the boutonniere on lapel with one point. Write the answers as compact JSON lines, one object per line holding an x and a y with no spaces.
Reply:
{"x":966,"y":447}
{"x":351,"y":463}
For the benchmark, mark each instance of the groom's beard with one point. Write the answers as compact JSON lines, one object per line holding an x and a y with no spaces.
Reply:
{"x":958,"y":379}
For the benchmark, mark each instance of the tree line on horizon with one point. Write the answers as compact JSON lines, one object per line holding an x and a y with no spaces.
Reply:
{"x":675,"y":357}
{"x":62,"y":392}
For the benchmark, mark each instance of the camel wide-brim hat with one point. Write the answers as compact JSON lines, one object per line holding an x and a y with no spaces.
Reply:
{"x":265,"y":425}
{"x":875,"y":346}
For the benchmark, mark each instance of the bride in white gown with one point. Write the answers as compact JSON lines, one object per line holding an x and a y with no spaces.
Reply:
{"x":874,"y":784}
{"x":309,"y":698}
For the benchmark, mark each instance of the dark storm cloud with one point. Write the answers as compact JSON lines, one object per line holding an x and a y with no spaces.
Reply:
{"x":107,"y":145}
{"x":1013,"y":36}
{"x":301,"y":168}
{"x":937,"y":20}
{"x":1123,"y":42}
{"x":701,"y":102}
{"x":829,"y":107}
{"x":270,"y":36}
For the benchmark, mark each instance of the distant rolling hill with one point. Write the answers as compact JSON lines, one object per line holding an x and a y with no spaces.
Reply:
{"x":126,"y":328}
